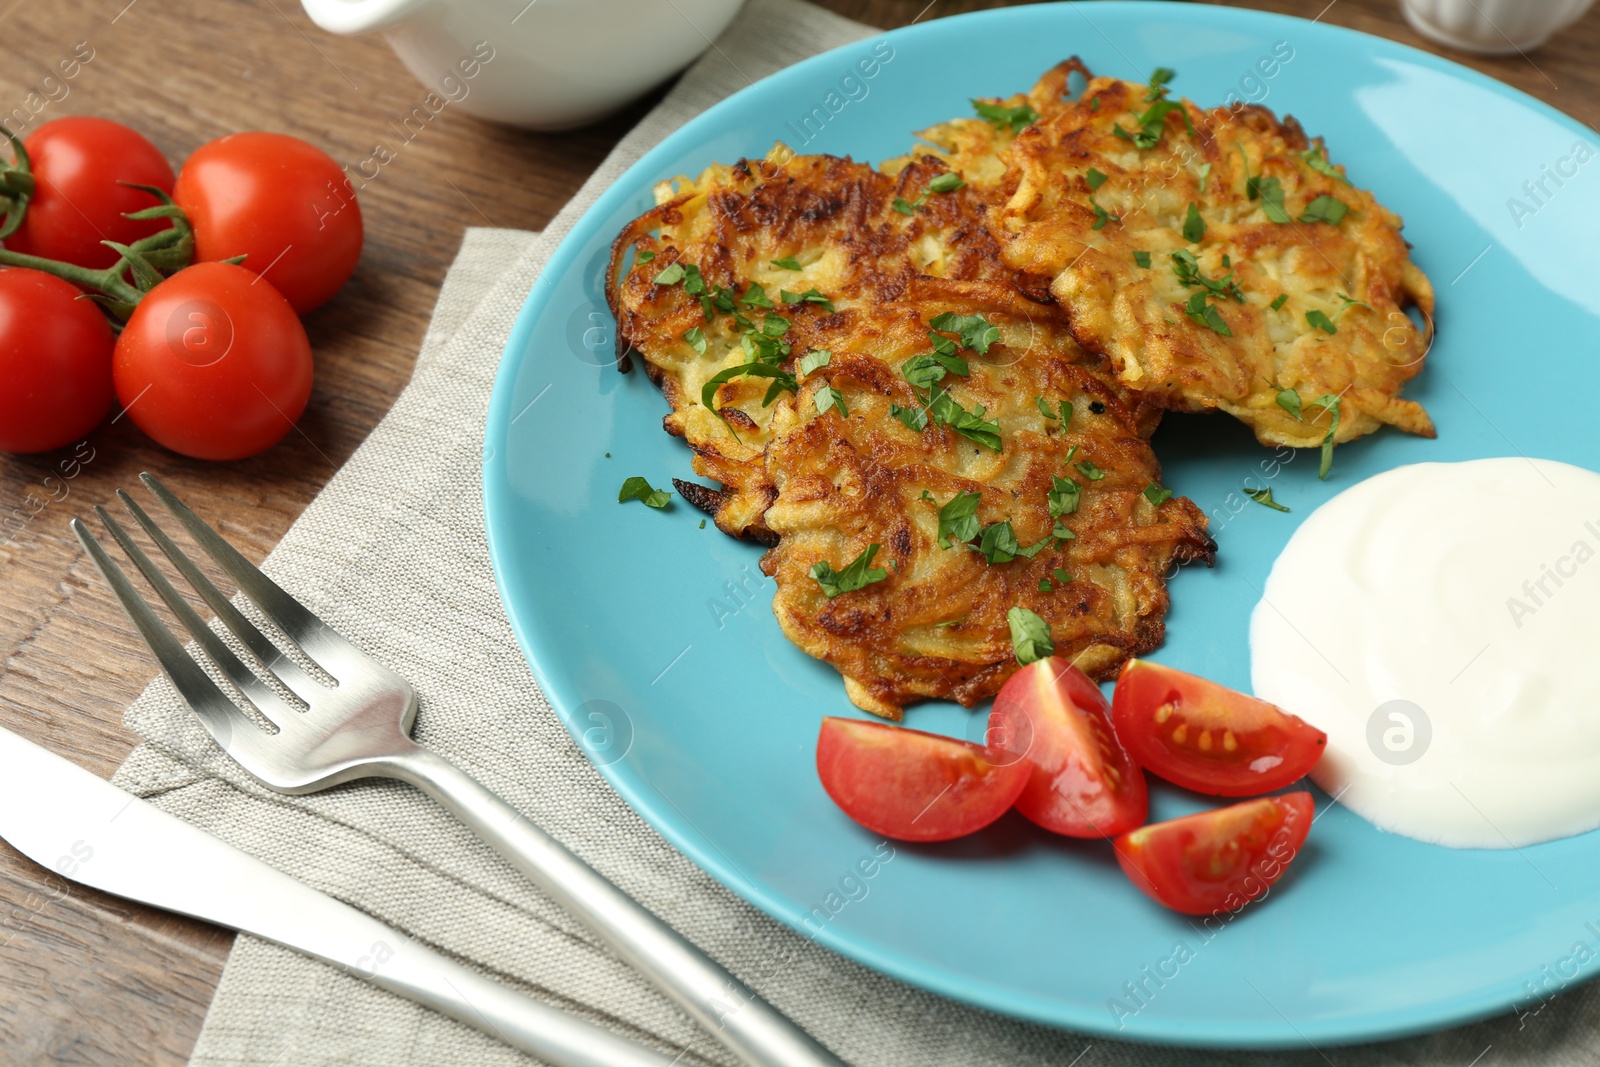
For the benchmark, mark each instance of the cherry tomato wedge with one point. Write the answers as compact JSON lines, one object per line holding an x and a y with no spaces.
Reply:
{"x":213,"y":363}
{"x":1217,"y":861}
{"x":283,"y":204}
{"x":1084,"y":784}
{"x":1207,"y":737}
{"x":78,"y":201}
{"x":915,"y":786}
{"x":55,"y":362}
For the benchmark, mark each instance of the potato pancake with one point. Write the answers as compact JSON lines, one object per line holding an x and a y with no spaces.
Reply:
{"x":1053,"y":504}
{"x":789,"y":293}
{"x":1219,"y":260}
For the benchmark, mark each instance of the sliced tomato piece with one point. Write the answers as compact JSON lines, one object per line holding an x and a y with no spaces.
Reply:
{"x":915,"y":786}
{"x":1084,"y":783}
{"x":1207,"y":737}
{"x":1217,"y":861}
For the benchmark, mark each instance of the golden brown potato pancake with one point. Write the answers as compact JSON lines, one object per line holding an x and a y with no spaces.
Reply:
{"x":1218,"y":259}
{"x":823,"y":485}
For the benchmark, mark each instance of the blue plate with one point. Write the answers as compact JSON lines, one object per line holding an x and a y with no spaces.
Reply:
{"x":654,"y":638}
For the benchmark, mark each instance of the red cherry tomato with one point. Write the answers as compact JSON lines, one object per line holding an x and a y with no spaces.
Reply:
{"x":214,"y":363}
{"x":55,"y":362}
{"x":77,"y":201}
{"x":283,"y":204}
{"x":1083,"y":783}
{"x":1217,"y":861}
{"x":915,"y":786}
{"x":1207,"y":737}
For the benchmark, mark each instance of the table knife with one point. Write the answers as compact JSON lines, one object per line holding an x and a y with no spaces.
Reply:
{"x":88,"y":831}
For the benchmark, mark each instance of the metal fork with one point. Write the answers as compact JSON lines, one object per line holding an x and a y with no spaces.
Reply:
{"x":361,"y":728}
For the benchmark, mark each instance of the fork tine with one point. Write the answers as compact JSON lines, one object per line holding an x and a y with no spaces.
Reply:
{"x":272,"y":658}
{"x":266,"y":701}
{"x":211,"y":705}
{"x":294,"y":618}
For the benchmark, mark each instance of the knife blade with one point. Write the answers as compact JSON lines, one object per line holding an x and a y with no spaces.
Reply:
{"x":88,"y":831}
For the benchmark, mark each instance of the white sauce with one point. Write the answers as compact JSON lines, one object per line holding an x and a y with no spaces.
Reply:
{"x":1472,"y":591}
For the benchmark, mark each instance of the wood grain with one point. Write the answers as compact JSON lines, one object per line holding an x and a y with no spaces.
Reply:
{"x":90,"y":979}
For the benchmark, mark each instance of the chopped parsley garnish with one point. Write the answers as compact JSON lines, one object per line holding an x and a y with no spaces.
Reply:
{"x":1157,"y":495}
{"x":787,"y":263}
{"x":1015,"y":117}
{"x":697,"y":340}
{"x":1102,"y":216}
{"x":858,"y":575}
{"x":1205,"y":175}
{"x":915,"y":418}
{"x":1278,"y":301}
{"x":1095,"y":179}
{"x":782,"y":381}
{"x":756,"y":297}
{"x":945,"y":411}
{"x":1030,"y":636}
{"x":644,"y":256}
{"x":1348,"y":302}
{"x":1089,"y":470}
{"x":1061,"y":576}
{"x":1152,"y":123}
{"x":1142,"y":258}
{"x":810,"y":296}
{"x":928,"y":369}
{"x":998,"y":544}
{"x":829,"y":397}
{"x":1264,"y":496}
{"x":1206,"y":315}
{"x":1094,"y":103}
{"x":1187,"y":268}
{"x":1194,"y":227}
{"x":975,"y":331}
{"x":1325,"y":208}
{"x":719,"y":299}
{"x":1289,"y":400}
{"x":1317,"y":159}
{"x":1063,"y":411}
{"x":1044,"y":585}
{"x":1270,"y":192}
{"x":1320,"y":321}
{"x":958,"y":519}
{"x":1158,"y":83}
{"x":948,"y":182}
{"x":702,"y":524}
{"x":1331,"y":404}
{"x":637,"y":488}
{"x":1064,"y":496}
{"x":818,"y":357}
{"x":671,"y":274}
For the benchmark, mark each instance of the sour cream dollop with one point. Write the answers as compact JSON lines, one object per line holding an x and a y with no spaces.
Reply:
{"x":1441,"y":622}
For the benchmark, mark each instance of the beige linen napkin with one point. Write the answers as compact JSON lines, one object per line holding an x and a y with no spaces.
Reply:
{"x":393,"y":554}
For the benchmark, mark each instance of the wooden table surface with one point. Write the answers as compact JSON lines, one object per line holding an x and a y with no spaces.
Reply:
{"x":89,"y":979}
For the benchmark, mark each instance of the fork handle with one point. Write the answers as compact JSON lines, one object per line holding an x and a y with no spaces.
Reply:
{"x":752,"y":1029}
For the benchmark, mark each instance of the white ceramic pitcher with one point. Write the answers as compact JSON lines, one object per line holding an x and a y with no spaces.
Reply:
{"x":541,"y":64}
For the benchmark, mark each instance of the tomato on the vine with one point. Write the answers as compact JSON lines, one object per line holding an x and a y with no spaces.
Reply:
{"x":55,"y":362}
{"x":78,"y":164}
{"x":283,"y":204}
{"x":213,"y":365}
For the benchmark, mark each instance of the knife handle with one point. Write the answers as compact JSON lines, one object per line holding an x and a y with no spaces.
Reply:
{"x":752,"y":1029}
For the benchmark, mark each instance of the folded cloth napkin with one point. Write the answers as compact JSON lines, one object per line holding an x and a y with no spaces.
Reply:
{"x":393,"y":554}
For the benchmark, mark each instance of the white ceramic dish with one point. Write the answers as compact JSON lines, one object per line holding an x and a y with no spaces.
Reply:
{"x":541,"y":64}
{"x":1492,"y":27}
